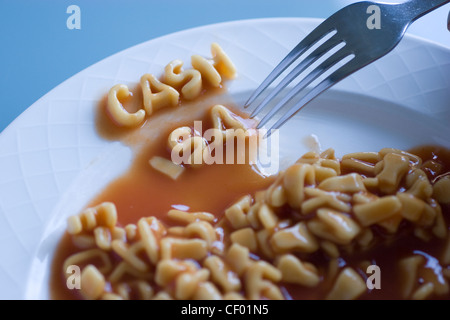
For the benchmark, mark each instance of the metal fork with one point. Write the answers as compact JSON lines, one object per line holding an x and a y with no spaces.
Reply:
{"x":448,"y":22}
{"x":362,"y":43}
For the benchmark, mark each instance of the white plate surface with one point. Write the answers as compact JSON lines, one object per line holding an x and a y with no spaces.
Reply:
{"x":52,"y":152}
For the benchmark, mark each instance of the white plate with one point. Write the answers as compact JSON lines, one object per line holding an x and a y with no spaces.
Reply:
{"x":52,"y":160}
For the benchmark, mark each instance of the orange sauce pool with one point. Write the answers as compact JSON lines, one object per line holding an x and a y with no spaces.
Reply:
{"x":143,"y":191}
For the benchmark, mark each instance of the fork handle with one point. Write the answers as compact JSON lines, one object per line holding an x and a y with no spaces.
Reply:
{"x":418,"y":8}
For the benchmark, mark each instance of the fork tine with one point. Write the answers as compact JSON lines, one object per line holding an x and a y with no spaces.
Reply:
{"x":338,"y":75}
{"x":302,"y":66}
{"x":322,"y":30}
{"x":323,"y":67}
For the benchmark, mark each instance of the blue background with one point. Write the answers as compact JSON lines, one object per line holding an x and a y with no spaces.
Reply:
{"x":38,"y":51}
